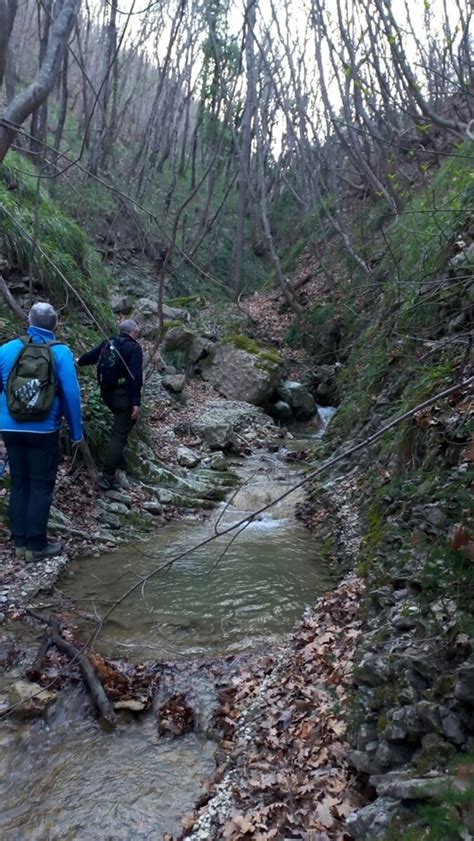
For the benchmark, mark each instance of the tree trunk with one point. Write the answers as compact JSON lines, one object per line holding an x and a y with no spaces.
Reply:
{"x":99,"y":152}
{"x":8,"y":10}
{"x":63,"y":103}
{"x":40,"y":115}
{"x":31,"y":97}
{"x":244,"y":154}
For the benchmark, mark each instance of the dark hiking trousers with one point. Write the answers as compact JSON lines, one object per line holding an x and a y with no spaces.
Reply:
{"x":119,"y":403}
{"x":34,"y":460}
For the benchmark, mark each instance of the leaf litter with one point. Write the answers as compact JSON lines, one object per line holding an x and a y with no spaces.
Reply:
{"x":283,"y":765}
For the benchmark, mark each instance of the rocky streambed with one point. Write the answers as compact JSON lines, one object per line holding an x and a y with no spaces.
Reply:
{"x":62,"y":774}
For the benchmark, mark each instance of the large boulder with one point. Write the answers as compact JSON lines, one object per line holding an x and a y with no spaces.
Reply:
{"x":298,"y":398}
{"x":121,"y":303}
{"x":174,"y":382}
{"x":200,"y":348}
{"x":178,"y":338}
{"x":146,"y":308}
{"x":175,"y":313}
{"x":187,"y":457}
{"x":146,"y":312}
{"x":323,"y":383}
{"x":220,"y":423}
{"x":243,"y":376}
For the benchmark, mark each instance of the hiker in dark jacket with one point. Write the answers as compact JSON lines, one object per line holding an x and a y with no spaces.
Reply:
{"x":119,"y":363}
{"x":31,"y":433}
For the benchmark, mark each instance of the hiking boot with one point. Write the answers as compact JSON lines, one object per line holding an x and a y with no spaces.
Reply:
{"x":49,"y":551}
{"x":20,"y":552}
{"x":105,"y":484}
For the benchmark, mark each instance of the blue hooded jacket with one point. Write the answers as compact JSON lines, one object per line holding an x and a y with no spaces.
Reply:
{"x":67,"y":402}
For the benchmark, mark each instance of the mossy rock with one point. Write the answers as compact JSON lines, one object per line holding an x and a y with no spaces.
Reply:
{"x":251,"y":346}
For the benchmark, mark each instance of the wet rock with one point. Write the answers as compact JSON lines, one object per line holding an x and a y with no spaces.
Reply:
{"x":31,"y":697}
{"x":323,"y":383}
{"x":282,"y":411}
{"x":174,"y":382}
{"x":373,"y":820}
{"x":131,"y":704}
{"x":298,"y":398}
{"x":187,"y":457}
{"x":2,"y":618}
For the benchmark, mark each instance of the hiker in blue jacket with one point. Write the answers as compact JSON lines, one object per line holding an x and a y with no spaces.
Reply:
{"x":30,"y":426}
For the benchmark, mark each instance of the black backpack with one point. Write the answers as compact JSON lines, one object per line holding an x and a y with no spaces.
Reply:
{"x":110,"y":367}
{"x":32,"y":385}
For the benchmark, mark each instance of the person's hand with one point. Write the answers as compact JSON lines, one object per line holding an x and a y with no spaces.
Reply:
{"x":135,"y":412}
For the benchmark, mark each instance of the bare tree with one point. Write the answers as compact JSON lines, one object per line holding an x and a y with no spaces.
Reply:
{"x":8,"y":9}
{"x":31,"y":97}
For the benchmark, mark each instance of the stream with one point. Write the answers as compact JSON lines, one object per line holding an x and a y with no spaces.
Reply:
{"x":64,"y":776}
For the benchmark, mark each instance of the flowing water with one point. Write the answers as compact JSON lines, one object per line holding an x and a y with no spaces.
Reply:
{"x":67,"y":778}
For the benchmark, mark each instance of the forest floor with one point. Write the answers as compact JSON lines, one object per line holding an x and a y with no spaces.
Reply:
{"x":282,"y":769}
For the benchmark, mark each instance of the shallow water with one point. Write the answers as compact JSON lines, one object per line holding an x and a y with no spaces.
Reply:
{"x":66,"y":778}
{"x":235,"y":592}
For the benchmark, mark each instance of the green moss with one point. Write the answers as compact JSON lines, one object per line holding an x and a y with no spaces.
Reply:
{"x":169,"y":324}
{"x":189,"y":301}
{"x":39,"y":240}
{"x":251,"y":346}
{"x":444,"y":685}
{"x":375,"y":530}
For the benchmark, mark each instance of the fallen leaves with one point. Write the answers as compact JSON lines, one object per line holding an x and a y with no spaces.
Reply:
{"x":290,"y":776}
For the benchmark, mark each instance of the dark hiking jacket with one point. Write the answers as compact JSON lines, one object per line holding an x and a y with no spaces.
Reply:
{"x":132,"y":365}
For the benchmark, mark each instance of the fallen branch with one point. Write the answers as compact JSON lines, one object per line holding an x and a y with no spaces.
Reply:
{"x":97,"y":692}
{"x":14,"y":306}
{"x":88,"y":459}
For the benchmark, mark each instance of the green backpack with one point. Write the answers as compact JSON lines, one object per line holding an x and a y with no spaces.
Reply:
{"x":32,"y":385}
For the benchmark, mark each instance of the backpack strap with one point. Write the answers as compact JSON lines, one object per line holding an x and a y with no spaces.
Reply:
{"x":28,"y":340}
